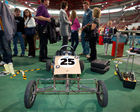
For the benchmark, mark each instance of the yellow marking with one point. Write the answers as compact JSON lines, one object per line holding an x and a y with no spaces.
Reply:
{"x":14,"y":75}
{"x":115,"y":73}
{"x":25,"y":78}
{"x":32,"y":70}
{"x":11,"y":77}
{"x":38,"y":69}
{"x":26,"y":70}
{"x":23,"y":73}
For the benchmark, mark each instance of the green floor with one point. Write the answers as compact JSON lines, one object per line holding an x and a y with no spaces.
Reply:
{"x":120,"y":99}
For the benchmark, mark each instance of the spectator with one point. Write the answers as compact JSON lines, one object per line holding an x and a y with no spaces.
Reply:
{"x":18,"y":35}
{"x":87,"y":18}
{"x":7,"y":31}
{"x":134,"y":28}
{"x":43,"y":17}
{"x":126,"y":28}
{"x":138,"y":28}
{"x":92,"y":30}
{"x":29,"y":26}
{"x":127,"y":37}
{"x":108,"y":33}
{"x":64,"y":23}
{"x":115,"y":30}
{"x":1,"y":62}
{"x":74,"y":29}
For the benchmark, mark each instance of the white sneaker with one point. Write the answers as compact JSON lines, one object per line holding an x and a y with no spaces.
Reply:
{"x":2,"y":63}
{"x":7,"y":70}
{"x":3,"y":73}
{"x":11,"y":68}
{"x":30,"y":56}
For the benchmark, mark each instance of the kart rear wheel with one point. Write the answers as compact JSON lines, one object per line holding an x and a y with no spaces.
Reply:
{"x":48,"y":65}
{"x":58,"y":53}
{"x":81,"y":65}
{"x":102,"y":94}
{"x":30,"y":94}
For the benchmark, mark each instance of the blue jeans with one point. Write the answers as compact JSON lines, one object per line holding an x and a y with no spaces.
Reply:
{"x":85,"y":44}
{"x":18,"y":36}
{"x":5,"y":48}
{"x":74,"y":39}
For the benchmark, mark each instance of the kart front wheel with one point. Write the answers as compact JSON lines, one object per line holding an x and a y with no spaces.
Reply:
{"x":30,"y":94}
{"x":48,"y":65}
{"x":102,"y":94}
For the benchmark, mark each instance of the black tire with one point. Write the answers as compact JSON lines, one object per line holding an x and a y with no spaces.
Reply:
{"x":81,"y":65}
{"x":102,"y":94}
{"x":30,"y":94}
{"x":53,"y":71}
{"x":48,"y":65}
{"x":58,"y":53}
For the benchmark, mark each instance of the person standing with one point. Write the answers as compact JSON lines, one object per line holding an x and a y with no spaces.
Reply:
{"x":18,"y":35}
{"x":115,"y":30}
{"x":43,"y":17}
{"x":108,"y":33}
{"x":64,"y":23}
{"x":1,"y":34}
{"x":7,"y":32}
{"x":93,"y":33}
{"x":87,"y":18}
{"x":1,"y":62}
{"x":74,"y":29}
{"x":29,"y":26}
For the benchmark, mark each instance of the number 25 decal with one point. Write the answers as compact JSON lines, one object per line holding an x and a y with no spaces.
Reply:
{"x":66,"y":61}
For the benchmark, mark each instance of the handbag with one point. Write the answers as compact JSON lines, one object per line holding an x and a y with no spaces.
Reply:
{"x":29,"y":31}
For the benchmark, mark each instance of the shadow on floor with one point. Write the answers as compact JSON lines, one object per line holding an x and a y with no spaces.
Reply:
{"x":136,"y":108}
{"x":113,"y":83}
{"x":65,"y":104}
{"x":24,"y":61}
{"x":15,"y":107}
{"x":102,"y":56}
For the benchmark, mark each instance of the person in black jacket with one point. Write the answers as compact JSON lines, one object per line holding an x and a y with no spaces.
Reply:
{"x":18,"y":35}
{"x":52,"y":31}
{"x":92,"y":33}
{"x":115,"y":30}
{"x":42,"y":19}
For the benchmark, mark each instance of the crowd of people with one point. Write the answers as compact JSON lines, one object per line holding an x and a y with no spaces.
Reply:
{"x":27,"y":26}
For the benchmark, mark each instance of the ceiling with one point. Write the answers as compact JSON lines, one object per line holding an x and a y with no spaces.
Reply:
{"x":77,"y":4}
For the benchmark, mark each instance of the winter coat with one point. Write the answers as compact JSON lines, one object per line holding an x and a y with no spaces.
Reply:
{"x":64,"y":23}
{"x":8,"y":21}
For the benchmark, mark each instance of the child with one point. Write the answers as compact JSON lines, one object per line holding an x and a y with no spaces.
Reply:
{"x":108,"y":32}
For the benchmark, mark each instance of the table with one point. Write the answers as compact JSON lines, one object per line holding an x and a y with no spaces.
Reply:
{"x":129,"y":55}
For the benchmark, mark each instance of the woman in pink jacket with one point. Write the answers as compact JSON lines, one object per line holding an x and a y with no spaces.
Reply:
{"x":74,"y":29}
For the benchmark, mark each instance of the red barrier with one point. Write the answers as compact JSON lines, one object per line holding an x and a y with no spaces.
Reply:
{"x":119,"y":51}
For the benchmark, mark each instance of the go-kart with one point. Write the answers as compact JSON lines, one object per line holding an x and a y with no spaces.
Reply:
{"x":64,"y":65}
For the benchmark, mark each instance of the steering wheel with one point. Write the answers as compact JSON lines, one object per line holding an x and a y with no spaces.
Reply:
{"x":69,"y":52}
